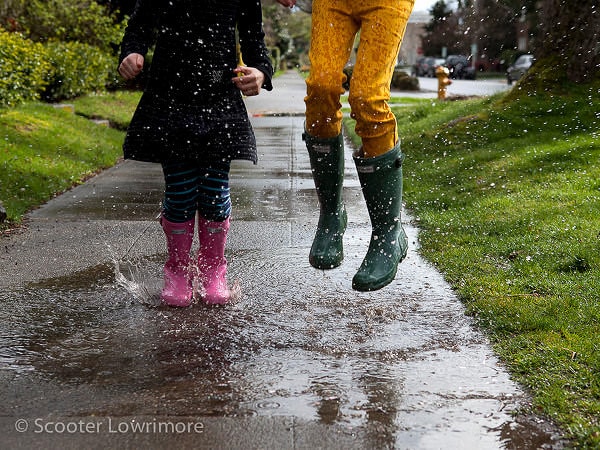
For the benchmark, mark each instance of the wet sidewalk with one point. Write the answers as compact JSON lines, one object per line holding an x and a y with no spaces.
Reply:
{"x":300,"y":361}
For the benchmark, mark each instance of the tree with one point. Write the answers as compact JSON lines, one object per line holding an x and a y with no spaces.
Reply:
{"x":287,"y":30}
{"x":490,"y":25}
{"x":299,"y":26}
{"x":443,"y":31}
{"x":568,"y":38}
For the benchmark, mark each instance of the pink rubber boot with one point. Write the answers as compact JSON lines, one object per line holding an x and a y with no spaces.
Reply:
{"x":178,"y":290}
{"x":212,"y":264}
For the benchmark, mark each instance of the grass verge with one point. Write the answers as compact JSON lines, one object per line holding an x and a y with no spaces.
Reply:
{"x":44,"y":151}
{"x":116,"y":107}
{"x":506,"y":192}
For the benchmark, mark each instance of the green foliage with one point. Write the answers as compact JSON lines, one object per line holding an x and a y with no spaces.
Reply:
{"x":54,"y":71}
{"x":402,"y":80}
{"x":116,"y":107}
{"x":9,"y":11}
{"x":299,"y":26}
{"x":274,"y":23}
{"x":77,"y":69}
{"x":23,"y":69}
{"x":288,"y":31}
{"x":82,"y":21}
{"x":77,"y":56}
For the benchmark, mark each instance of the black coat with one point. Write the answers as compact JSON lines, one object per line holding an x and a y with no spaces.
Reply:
{"x":190,"y":109}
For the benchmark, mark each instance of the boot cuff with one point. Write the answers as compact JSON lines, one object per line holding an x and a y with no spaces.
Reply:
{"x":390,"y":159}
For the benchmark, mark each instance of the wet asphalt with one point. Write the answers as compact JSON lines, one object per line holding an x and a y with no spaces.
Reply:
{"x":300,"y":360}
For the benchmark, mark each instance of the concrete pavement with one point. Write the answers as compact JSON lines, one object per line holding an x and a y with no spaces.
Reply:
{"x":300,"y":360}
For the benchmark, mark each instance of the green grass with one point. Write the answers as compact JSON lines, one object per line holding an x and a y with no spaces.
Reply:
{"x":44,"y":151}
{"x":507,"y":198}
{"x":117,"y":107}
{"x":397,"y":100}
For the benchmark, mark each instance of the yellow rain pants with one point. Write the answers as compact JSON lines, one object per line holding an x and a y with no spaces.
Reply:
{"x":334,"y":25}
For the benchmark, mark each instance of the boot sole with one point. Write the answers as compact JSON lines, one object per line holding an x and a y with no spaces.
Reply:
{"x":378,"y":284}
{"x":322,"y":266}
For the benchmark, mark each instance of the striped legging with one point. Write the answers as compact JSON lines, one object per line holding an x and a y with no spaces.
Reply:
{"x":190,"y":187}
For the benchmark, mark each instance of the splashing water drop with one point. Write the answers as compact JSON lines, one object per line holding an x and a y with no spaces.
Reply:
{"x":129,"y":276}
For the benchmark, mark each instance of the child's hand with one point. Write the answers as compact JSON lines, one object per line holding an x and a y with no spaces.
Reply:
{"x":131,"y":66}
{"x":248,"y":80}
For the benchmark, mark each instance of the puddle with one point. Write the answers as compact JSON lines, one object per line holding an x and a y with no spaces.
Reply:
{"x":296,"y":344}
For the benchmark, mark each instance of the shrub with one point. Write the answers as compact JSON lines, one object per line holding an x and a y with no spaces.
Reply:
{"x":400,"y":80}
{"x":24,"y":69}
{"x":83,"y":21}
{"x":77,"y":69}
{"x":54,"y":71}
{"x":403,"y":81}
{"x":9,"y":11}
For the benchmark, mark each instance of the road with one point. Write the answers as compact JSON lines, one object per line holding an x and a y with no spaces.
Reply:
{"x":463,"y":87}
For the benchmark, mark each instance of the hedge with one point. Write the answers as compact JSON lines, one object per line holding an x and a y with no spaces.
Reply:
{"x":53,"y":71}
{"x":24,"y":69}
{"x":77,"y":69}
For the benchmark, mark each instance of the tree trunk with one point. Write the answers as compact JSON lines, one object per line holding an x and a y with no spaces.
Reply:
{"x":570,"y":30}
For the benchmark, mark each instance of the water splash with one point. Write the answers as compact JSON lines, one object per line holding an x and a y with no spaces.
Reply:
{"x":139,"y":280}
{"x":235,"y":291}
{"x":130,"y":276}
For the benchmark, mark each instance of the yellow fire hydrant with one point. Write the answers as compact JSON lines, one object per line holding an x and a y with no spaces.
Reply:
{"x":443,"y":75}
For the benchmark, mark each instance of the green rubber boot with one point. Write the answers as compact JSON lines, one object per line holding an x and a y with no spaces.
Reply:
{"x":381,"y":182}
{"x":327,"y":164}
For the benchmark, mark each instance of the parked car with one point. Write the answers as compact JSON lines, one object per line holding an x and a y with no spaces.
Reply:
{"x":417,"y":68}
{"x":431,"y":64}
{"x":518,"y":68}
{"x":400,"y":79}
{"x":460,"y":67}
{"x":425,"y":66}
